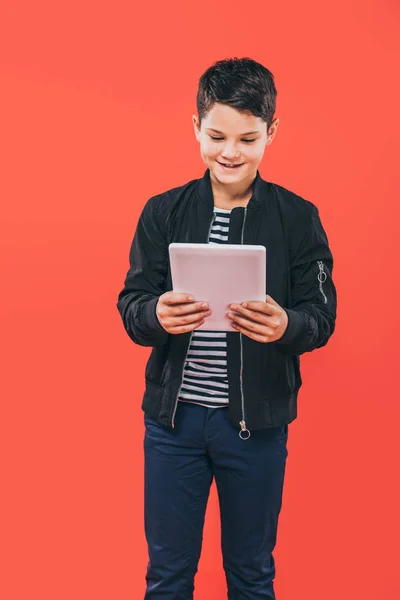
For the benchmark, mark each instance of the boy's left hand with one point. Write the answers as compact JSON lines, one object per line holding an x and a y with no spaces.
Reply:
{"x":261,"y":321}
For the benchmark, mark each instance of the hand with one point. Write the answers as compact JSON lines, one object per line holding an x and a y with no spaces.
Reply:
{"x":261,"y":321}
{"x":178,"y":314}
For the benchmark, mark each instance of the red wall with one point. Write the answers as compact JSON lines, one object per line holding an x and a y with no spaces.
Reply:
{"x":96,"y":106}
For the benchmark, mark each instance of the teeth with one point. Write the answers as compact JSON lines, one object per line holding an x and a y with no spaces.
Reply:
{"x":229,"y":165}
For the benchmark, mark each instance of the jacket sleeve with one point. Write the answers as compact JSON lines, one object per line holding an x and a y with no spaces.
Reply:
{"x":145,"y":280}
{"x":312,"y":314}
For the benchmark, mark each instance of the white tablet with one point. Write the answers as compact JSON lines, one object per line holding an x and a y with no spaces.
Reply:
{"x":220,"y":274}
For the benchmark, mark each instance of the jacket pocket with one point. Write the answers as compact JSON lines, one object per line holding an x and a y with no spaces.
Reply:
{"x":297,"y":372}
{"x":156,"y":365}
{"x":283,"y":375}
{"x":153,"y":399}
{"x":290,"y":374}
{"x":285,"y":432}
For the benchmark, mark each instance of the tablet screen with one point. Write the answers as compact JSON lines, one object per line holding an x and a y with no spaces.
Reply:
{"x":219,"y":274}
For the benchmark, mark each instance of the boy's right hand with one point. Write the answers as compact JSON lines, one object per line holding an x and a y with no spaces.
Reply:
{"x":177,"y":314}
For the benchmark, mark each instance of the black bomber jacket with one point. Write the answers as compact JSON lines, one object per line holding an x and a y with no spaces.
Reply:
{"x":264,"y":378}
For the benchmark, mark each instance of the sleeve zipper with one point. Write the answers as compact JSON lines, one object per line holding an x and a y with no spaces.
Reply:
{"x":322,"y":276}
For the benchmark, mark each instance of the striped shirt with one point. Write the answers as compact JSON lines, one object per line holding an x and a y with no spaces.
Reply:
{"x":205,"y":377}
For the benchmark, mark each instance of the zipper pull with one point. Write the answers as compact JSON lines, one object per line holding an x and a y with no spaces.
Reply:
{"x":242,"y":431}
{"x":322,"y":276}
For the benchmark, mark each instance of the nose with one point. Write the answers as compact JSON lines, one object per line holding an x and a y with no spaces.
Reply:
{"x":229,"y":151}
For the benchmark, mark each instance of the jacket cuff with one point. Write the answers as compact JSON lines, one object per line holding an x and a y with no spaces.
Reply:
{"x":295,"y":328}
{"x":150,"y":317}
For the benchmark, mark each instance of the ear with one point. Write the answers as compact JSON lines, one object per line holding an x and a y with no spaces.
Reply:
{"x":273,"y":130}
{"x":196,"y":127}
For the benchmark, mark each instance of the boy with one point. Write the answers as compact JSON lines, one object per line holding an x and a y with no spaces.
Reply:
{"x":218,"y":404}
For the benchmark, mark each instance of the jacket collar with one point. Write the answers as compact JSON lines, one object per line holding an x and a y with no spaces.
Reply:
{"x":204,"y":190}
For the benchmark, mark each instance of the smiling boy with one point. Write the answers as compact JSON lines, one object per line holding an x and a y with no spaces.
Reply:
{"x":218,"y":404}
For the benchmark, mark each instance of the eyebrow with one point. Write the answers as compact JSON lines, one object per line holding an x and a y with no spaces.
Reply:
{"x":217,"y":131}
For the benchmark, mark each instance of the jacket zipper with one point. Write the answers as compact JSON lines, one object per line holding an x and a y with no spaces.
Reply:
{"x":322,"y":278}
{"x":190,"y":341}
{"x":244,"y":433}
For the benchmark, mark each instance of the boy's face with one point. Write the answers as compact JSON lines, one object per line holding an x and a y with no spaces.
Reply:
{"x":225,"y":138}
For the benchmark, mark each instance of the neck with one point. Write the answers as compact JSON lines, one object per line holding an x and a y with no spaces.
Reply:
{"x":229,"y":196}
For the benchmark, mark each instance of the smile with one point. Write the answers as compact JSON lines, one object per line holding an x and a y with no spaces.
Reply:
{"x":229,"y":165}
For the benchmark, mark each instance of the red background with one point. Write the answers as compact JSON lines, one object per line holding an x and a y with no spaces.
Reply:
{"x":96,"y":106}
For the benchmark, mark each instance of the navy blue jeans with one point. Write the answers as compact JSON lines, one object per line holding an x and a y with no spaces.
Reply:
{"x":179,"y":468}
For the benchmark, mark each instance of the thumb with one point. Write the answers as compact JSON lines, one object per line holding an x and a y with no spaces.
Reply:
{"x":271,"y":300}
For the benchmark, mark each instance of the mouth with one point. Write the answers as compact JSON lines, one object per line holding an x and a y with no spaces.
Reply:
{"x":229,"y":166}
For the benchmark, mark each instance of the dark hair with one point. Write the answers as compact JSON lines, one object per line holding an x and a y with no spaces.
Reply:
{"x":241,"y":83}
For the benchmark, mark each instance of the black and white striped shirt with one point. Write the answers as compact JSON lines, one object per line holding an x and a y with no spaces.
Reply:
{"x":205,"y":378}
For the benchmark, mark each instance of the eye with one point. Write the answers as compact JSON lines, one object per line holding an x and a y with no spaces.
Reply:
{"x":216,"y":139}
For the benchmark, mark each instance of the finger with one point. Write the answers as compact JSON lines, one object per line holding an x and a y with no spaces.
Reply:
{"x":258,"y":337}
{"x":186,"y":328}
{"x":177,"y":321}
{"x":270,"y":300}
{"x":252,"y":325}
{"x":272,"y":322}
{"x":250,"y":314}
{"x":264,"y":307}
{"x":266,"y":320}
{"x":187,"y":308}
{"x":176,"y":298}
